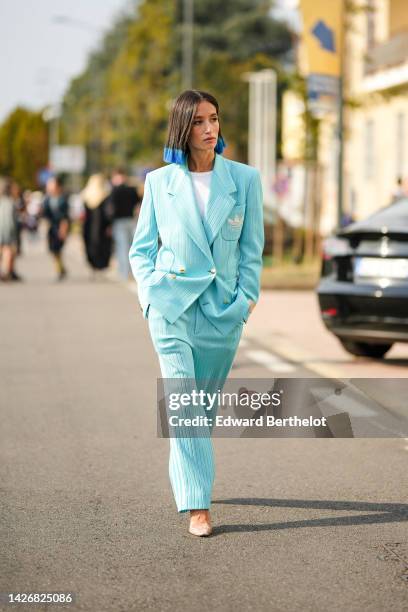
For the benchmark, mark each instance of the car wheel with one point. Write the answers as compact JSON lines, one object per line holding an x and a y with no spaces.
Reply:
{"x":364,"y":349}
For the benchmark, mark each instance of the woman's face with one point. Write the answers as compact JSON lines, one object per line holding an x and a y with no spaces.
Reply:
{"x":204,"y":132}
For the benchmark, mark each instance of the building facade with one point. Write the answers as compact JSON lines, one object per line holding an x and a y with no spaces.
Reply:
{"x":375,"y":59}
{"x":376,"y":148}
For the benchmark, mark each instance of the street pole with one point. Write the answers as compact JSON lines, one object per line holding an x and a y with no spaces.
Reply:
{"x":187,"y":46}
{"x":340,"y":189}
{"x":262,"y":129}
{"x":52,"y":116}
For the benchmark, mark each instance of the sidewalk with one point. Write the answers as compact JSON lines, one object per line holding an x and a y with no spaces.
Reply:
{"x":290,"y":276}
{"x":289,"y":323}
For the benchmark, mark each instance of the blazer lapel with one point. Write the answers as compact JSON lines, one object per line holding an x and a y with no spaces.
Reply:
{"x":181,"y":188}
{"x":221,"y":199}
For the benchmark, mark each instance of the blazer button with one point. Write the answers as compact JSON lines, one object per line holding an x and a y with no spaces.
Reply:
{"x":213,"y":270}
{"x":182,"y":270}
{"x":226,"y":301}
{"x":172,"y":276}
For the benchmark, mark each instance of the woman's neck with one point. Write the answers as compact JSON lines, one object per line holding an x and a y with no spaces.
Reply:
{"x":201,"y":162}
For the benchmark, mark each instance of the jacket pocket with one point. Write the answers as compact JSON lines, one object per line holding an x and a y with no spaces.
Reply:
{"x":164,"y":261}
{"x":231,"y":229}
{"x":155,"y":277}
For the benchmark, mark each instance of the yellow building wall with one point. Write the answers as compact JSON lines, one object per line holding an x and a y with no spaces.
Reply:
{"x":398,"y":12}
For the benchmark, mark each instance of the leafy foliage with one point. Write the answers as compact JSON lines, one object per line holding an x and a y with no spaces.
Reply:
{"x":23,"y":146}
{"x":118,"y":107}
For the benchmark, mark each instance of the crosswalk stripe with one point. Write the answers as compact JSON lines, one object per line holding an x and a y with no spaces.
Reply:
{"x":346,"y":402}
{"x":270,"y":361}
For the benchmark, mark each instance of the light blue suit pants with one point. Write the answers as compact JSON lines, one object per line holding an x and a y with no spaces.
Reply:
{"x":192,"y":348}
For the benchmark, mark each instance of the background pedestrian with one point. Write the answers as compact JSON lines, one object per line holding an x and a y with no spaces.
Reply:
{"x":8,"y":232}
{"x":97,"y":222}
{"x":124,"y":199}
{"x":56,"y":211}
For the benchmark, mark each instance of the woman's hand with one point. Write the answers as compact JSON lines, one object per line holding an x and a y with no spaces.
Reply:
{"x":63,"y":230}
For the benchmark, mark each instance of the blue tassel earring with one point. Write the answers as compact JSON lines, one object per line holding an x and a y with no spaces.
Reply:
{"x":220,"y":146}
{"x":174,"y":156}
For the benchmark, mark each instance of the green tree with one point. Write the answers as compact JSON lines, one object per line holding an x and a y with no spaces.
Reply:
{"x":119,"y":105}
{"x":23,"y":146}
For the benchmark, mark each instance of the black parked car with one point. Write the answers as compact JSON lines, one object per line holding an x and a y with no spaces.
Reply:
{"x":363,"y":290}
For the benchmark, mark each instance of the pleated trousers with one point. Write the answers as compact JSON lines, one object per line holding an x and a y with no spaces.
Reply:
{"x":192,"y":349}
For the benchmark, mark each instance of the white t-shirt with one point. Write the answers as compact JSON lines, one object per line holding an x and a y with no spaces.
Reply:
{"x":201,"y":185}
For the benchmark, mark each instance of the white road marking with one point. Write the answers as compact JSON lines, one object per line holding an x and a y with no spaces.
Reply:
{"x":270,"y":361}
{"x":345,"y":402}
{"x":288,"y":350}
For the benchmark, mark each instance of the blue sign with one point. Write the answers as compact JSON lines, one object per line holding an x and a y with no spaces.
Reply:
{"x":322,"y":85}
{"x":324,"y":35}
{"x":323,"y":93}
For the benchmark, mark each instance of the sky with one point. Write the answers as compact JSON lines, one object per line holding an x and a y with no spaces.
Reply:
{"x":39,"y":56}
{"x":288,"y":10}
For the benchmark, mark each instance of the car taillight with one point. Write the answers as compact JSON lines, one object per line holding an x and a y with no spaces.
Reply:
{"x":330,"y":312}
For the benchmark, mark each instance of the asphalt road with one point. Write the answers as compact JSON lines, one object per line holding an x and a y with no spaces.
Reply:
{"x":86,"y":507}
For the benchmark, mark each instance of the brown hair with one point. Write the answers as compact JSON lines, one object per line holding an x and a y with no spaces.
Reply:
{"x":182,"y":117}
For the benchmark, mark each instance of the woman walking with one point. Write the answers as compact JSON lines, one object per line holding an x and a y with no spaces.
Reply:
{"x":8,"y":232}
{"x":97,"y":224}
{"x":56,"y":210}
{"x":198,"y":289}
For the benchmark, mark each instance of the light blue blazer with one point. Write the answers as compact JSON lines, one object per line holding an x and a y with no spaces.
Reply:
{"x":217,"y":260}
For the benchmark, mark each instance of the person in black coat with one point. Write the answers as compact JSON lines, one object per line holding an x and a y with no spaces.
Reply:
{"x":125,"y":201}
{"x":56,"y":211}
{"x":97,"y":222}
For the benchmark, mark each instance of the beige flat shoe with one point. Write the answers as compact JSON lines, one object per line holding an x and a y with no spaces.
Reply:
{"x":200,"y":523}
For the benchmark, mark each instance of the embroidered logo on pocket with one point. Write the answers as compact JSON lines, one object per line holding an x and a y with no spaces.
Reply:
{"x":236,"y":221}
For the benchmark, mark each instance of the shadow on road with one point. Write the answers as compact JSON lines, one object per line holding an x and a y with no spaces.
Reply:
{"x":386,"y":361}
{"x":394,"y":361}
{"x":379,"y":513}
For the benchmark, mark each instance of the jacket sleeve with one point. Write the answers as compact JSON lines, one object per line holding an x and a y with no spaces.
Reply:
{"x":252,"y":241}
{"x":143,"y":252}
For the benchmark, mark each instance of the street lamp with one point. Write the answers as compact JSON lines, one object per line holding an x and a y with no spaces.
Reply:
{"x":65,"y":20}
{"x":188,"y":20}
{"x":51,"y":115}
